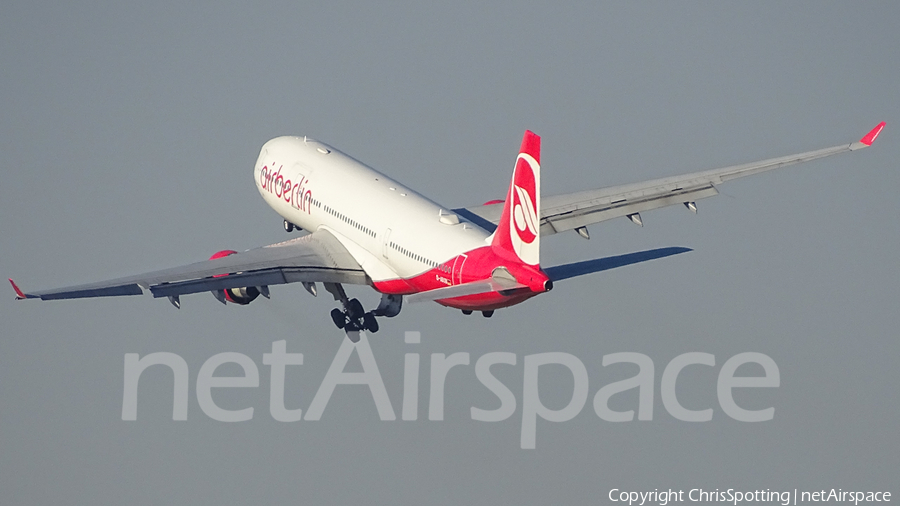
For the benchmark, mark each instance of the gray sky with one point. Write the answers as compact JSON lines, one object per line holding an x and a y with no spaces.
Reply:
{"x":127,"y":141}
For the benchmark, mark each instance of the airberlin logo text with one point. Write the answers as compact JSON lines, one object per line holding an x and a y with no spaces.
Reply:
{"x":531,"y":408}
{"x":294,"y":193}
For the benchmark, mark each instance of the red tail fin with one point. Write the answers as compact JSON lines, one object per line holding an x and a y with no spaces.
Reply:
{"x":519,"y":231}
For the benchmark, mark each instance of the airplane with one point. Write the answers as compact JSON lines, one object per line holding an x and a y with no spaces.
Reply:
{"x":368,"y":229}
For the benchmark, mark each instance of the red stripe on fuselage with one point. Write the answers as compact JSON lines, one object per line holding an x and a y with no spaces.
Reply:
{"x":479,"y":265}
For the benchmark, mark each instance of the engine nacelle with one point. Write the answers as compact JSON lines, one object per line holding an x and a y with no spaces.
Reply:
{"x":241,"y":295}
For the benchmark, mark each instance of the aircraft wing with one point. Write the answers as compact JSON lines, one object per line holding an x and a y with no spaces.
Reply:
{"x":317,"y":257}
{"x":575,"y":210}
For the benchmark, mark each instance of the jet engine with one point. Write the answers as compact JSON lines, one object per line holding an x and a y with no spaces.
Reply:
{"x":241,"y":295}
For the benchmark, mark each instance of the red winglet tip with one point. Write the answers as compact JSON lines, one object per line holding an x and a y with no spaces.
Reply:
{"x":19,"y":294}
{"x":871,"y":136}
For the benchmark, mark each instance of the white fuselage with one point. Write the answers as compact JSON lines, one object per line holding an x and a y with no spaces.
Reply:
{"x":392,"y":231}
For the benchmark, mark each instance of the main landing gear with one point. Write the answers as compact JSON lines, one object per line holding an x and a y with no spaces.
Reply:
{"x":354,"y":318}
{"x":486,"y":314}
{"x":290,"y":227}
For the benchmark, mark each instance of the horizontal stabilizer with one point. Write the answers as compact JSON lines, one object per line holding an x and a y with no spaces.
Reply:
{"x":566,"y":271}
{"x":473,"y":288}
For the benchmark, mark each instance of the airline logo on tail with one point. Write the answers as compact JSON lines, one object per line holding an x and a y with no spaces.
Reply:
{"x":525,"y":216}
{"x":520,"y":224}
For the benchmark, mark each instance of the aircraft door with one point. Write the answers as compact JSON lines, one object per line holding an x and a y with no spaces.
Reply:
{"x":458,"y":264}
{"x":387,"y":244}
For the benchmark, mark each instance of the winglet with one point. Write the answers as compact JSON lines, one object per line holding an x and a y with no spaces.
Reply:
{"x":871,"y":136}
{"x":19,"y":294}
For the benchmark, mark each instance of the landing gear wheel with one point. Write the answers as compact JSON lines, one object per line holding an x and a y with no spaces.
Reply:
{"x":370,"y":323}
{"x":355,"y":310}
{"x":467,"y":312}
{"x":338,"y":317}
{"x":288,"y":226}
{"x":488,"y":314}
